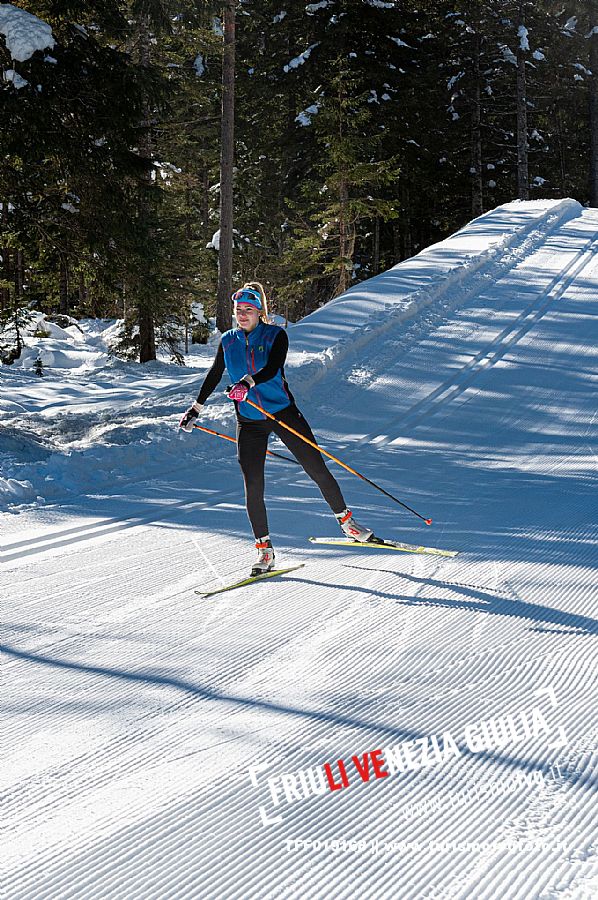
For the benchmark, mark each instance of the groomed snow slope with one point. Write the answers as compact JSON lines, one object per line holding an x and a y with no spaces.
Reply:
{"x":145,"y":732}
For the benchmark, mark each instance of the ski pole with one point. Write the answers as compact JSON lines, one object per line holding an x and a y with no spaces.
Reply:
{"x":344,"y":465}
{"x":228,"y":438}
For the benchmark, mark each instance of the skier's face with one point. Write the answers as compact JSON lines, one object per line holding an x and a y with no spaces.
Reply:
{"x":247,"y":316}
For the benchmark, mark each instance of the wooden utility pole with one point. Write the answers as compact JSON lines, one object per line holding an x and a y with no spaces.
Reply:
{"x":227,"y":158}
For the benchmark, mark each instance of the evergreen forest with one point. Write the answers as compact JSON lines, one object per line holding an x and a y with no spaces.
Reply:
{"x":156,"y":154}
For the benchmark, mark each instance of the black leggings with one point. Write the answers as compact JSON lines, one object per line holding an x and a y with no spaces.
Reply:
{"x":252,"y":442}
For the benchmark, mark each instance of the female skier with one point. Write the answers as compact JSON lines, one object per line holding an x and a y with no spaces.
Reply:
{"x":254,"y":355}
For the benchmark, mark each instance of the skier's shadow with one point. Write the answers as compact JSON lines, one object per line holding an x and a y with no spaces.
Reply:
{"x":482,"y":601}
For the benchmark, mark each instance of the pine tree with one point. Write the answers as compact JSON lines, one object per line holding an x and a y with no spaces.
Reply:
{"x":65,"y":153}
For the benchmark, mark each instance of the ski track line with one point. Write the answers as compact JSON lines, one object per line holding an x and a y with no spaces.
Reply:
{"x":126,"y":564}
{"x":96,"y":636}
{"x":455,"y":386}
{"x":168,"y":550}
{"x":52,"y":541}
{"x":144,"y":736}
{"x":497,"y":348}
{"x":450,"y":603}
{"x":81,"y":587}
{"x":176,"y":675}
{"x":124,"y":606}
{"x":118,"y":612}
{"x":466,"y":327}
{"x":73,"y":642}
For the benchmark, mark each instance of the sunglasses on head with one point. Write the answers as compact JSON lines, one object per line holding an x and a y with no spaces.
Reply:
{"x":247,"y":295}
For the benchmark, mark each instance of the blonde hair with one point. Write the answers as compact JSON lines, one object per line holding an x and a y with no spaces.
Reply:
{"x":256,"y":286}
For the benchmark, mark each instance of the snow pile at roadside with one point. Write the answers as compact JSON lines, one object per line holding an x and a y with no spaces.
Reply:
{"x":90,"y":419}
{"x":111,"y":451}
{"x":65,"y":348}
{"x":49,"y":456}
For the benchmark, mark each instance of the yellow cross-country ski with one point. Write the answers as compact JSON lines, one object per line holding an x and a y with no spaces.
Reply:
{"x":380,"y":544}
{"x":249,"y":580}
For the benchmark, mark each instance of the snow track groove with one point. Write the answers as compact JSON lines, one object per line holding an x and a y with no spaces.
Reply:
{"x":53,"y":540}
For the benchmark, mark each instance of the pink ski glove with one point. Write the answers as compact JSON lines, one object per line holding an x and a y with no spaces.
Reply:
{"x":238,"y":391}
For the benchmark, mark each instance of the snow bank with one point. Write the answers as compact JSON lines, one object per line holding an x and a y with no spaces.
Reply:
{"x":445,"y":271}
{"x":85,"y":453}
{"x":79,"y":430}
{"x":13,"y":491}
{"x":24,"y":33}
{"x":83,"y":345}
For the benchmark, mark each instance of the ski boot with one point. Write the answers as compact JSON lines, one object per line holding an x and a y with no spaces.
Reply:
{"x":265,"y":556}
{"x":353,"y":529}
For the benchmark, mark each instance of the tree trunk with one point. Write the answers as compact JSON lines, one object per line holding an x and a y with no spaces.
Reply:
{"x":406,"y":235}
{"x":5,"y":253}
{"x":227,"y":155}
{"x":64,"y":285}
{"x":343,"y":237}
{"x":19,"y":273}
{"x":204,"y":205}
{"x":522,"y":148}
{"x":560,"y":151}
{"x":376,"y":260}
{"x":288,"y":158}
{"x":396,"y":242}
{"x":345,"y":253}
{"x":477,"y":207}
{"x":18,"y":339}
{"x":147,"y":335}
{"x":83,"y":295}
{"x":188,"y":208}
{"x":593,"y":23}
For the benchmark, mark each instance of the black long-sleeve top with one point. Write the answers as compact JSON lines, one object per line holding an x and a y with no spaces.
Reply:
{"x":276,"y":361}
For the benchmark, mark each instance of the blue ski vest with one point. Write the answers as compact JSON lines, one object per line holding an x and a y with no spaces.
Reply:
{"x":245,"y":354}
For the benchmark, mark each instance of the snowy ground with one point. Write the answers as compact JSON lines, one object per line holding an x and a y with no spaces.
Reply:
{"x":145,"y":732}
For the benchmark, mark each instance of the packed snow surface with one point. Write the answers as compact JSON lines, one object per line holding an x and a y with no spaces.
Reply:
{"x":374,"y":724}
